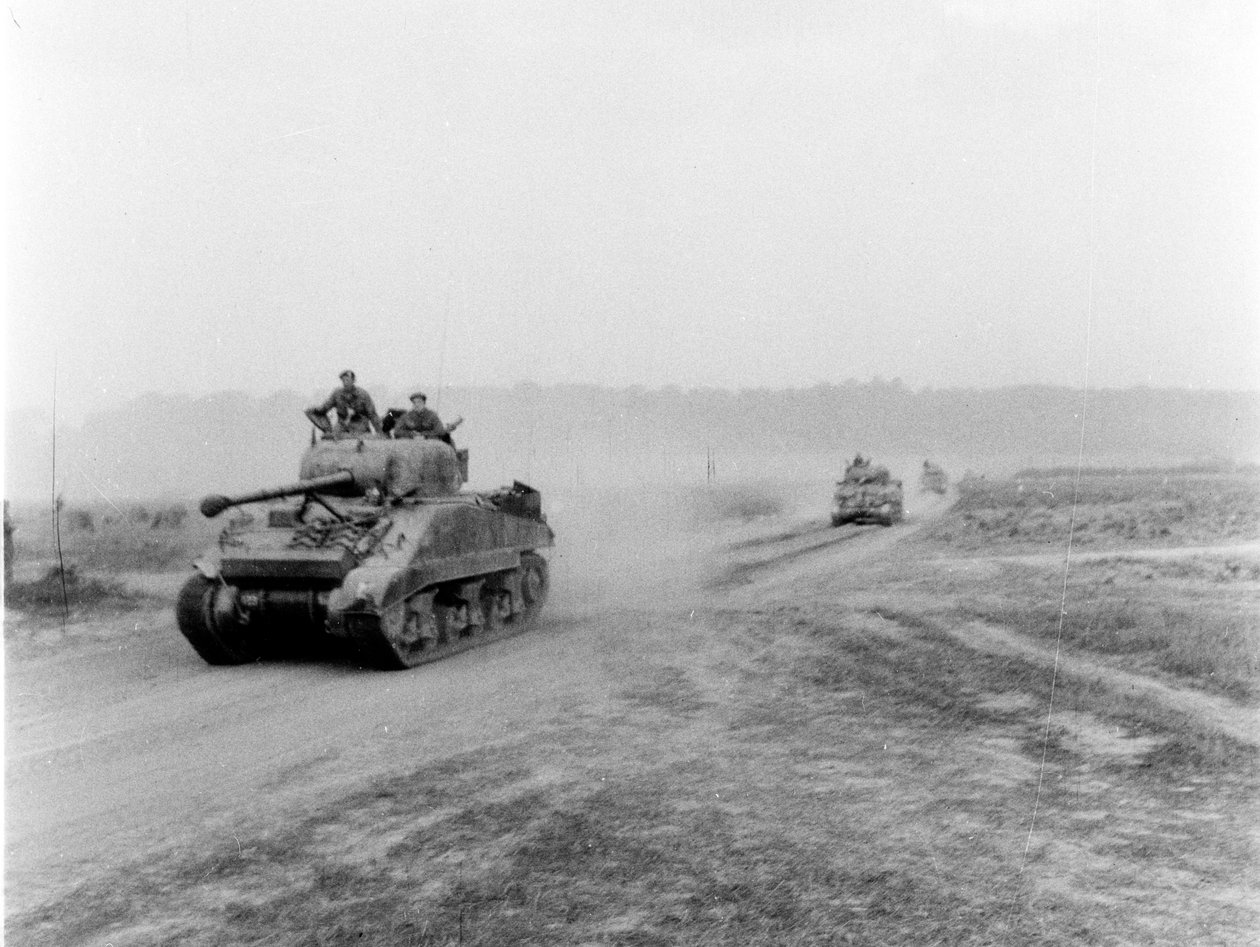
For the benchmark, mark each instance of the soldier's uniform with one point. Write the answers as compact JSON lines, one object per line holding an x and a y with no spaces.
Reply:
{"x":356,"y":414}
{"x":419,"y":421}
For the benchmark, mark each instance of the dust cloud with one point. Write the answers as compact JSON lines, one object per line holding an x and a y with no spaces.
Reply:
{"x":649,"y":546}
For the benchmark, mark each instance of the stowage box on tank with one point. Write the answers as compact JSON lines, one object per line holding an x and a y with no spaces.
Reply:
{"x":376,"y":544}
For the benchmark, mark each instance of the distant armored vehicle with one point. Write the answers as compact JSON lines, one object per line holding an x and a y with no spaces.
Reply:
{"x":867,"y":494}
{"x":933,"y":479}
{"x":376,"y":545}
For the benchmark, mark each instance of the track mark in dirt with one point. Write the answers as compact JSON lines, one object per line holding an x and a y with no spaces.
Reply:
{"x":1102,"y":739}
{"x":845,"y":548}
{"x":1239,"y":723}
{"x":743,"y":573}
{"x":758,"y":542}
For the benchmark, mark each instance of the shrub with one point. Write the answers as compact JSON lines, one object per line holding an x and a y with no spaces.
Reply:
{"x":82,"y":521}
{"x":56,"y":589}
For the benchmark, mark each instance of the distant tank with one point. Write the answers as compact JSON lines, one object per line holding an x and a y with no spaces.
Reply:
{"x":933,"y":479}
{"x":867,"y":494}
{"x":377,"y":545}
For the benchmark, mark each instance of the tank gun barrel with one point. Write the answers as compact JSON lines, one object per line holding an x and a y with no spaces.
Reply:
{"x":213,"y":505}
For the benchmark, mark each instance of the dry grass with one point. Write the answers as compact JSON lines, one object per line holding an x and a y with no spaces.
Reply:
{"x":1207,"y":636}
{"x":700,"y":854}
{"x":1191,"y":617}
{"x":56,"y":592}
{"x":1103,"y":511}
{"x":140,"y":537}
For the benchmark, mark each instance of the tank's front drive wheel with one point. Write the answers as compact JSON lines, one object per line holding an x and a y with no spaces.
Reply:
{"x":212,"y":631}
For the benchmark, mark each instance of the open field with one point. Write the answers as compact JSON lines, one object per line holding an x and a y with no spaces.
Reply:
{"x":736,"y":725}
{"x":1111,"y":510}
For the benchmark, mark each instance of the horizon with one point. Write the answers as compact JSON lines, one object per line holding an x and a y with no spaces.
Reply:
{"x":120,"y":402}
{"x":548,"y":435}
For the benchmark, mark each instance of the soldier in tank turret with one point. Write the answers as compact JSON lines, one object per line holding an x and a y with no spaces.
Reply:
{"x":422,"y":421}
{"x":355,"y":412}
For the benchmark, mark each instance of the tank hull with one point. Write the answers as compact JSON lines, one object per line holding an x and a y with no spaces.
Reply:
{"x":881,"y":503}
{"x":933,"y":480}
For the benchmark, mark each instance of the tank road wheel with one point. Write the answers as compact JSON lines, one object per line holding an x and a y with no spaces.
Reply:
{"x":470,"y":618}
{"x":496,"y":607}
{"x":458,"y":615}
{"x":409,"y":633}
{"x":207,"y":619}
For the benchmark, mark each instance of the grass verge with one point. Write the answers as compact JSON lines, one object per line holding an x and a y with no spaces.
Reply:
{"x":57,"y":591}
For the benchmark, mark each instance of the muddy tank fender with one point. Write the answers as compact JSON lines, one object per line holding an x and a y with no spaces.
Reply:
{"x":364,"y":591}
{"x":208,"y":567}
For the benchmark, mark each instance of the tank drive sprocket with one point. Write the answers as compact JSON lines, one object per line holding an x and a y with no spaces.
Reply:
{"x":213,"y":631}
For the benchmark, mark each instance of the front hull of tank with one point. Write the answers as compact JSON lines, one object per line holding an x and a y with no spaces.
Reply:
{"x":867,"y":504}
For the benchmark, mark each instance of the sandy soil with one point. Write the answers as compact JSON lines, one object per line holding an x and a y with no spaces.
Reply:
{"x":120,"y":741}
{"x":117,"y":746}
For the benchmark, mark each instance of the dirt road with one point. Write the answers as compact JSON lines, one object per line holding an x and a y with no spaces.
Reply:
{"x":120,"y":740}
{"x":124,"y":745}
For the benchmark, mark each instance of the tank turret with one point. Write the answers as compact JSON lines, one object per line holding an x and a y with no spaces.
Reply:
{"x":376,"y":545}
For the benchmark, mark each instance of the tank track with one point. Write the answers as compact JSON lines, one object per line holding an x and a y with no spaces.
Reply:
{"x":437,"y":622}
{"x":431,"y":624}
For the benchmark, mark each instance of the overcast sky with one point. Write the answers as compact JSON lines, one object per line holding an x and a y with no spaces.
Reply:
{"x":256,"y":195}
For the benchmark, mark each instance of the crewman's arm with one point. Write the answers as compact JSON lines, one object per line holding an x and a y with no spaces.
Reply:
{"x":368,"y":410}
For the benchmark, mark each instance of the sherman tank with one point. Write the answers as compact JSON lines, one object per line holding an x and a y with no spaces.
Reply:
{"x":377,"y":545}
{"x":867,"y":494}
{"x":933,"y":479}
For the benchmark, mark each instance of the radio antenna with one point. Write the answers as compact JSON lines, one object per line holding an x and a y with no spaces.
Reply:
{"x":61,"y":562}
{"x":446,"y":315}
